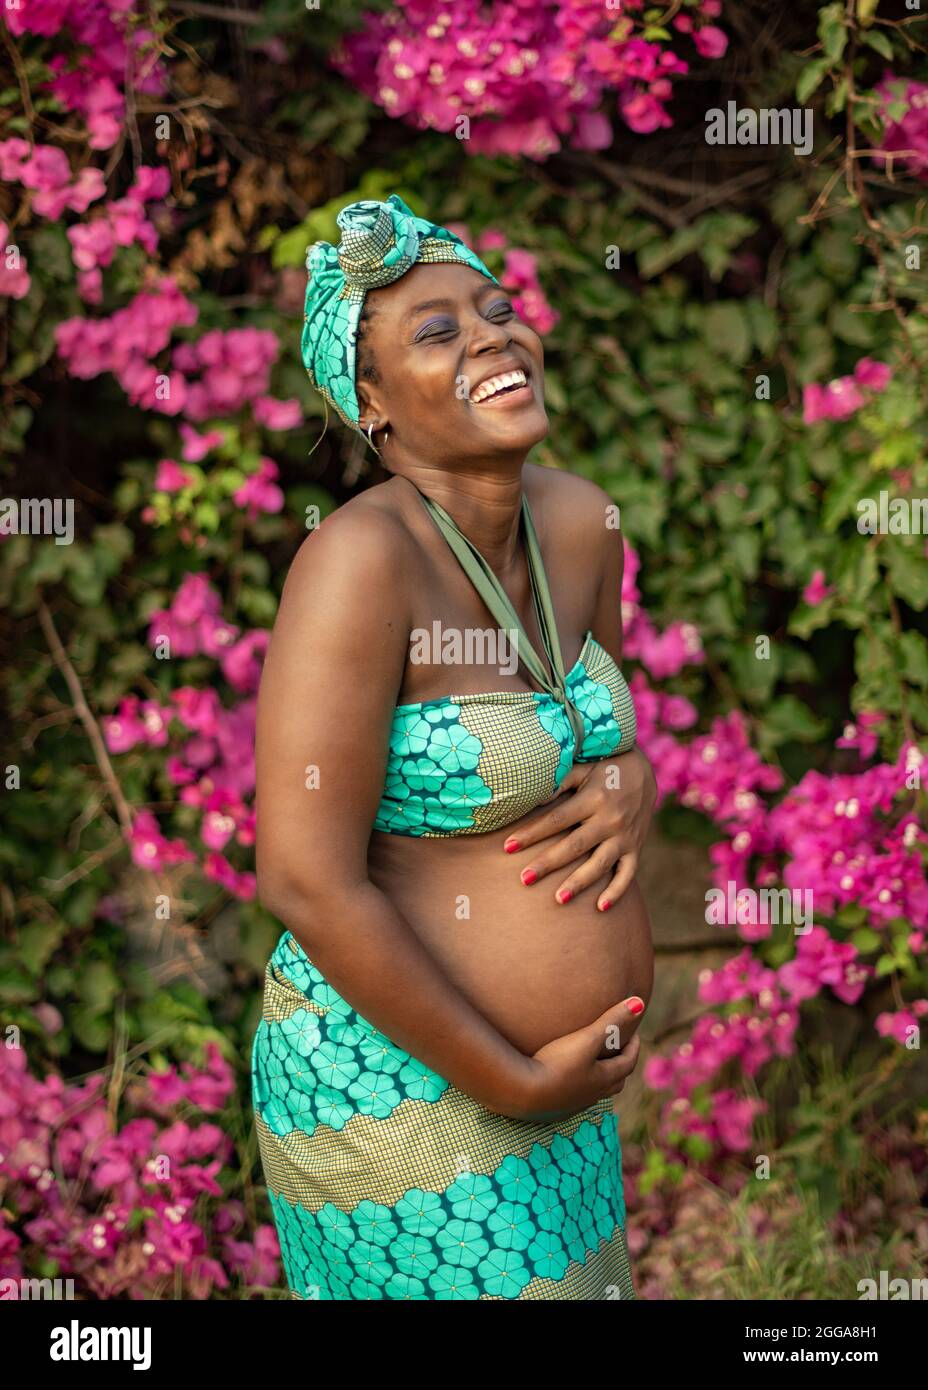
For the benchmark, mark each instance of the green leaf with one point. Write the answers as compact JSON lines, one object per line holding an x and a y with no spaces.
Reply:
{"x":866,"y":940}
{"x":842,"y":497}
{"x":98,"y":985}
{"x":627,"y":395}
{"x":713,"y":443}
{"x":92,"y":1030}
{"x":728,"y":331}
{"x":908,"y":571}
{"x":36,"y":944}
{"x":84,"y":579}
{"x":206,"y":516}
{"x":16,"y":987}
{"x":789,"y":719}
{"x":745,"y":550}
{"x":49,"y":564}
{"x":810,"y":78}
{"x":230,"y":479}
{"x":677,"y":401}
{"x":856,"y":572}
{"x":765,"y":329}
{"x":858,"y":329}
{"x":879,"y":41}
{"x":913,"y":647}
{"x":832,"y":30}
{"x":666,"y":251}
{"x":117,"y":539}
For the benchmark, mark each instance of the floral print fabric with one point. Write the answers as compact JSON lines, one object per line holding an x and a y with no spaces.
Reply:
{"x":455,"y":769}
{"x":379,"y":243}
{"x":388,"y":1183}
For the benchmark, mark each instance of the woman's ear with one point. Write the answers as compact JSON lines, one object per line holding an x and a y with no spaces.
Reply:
{"x":370,"y":406}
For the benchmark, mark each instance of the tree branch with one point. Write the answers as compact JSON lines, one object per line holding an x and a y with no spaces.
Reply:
{"x":82,"y":710}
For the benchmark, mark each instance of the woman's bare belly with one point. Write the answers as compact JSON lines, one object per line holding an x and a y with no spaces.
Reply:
{"x":534,"y":968}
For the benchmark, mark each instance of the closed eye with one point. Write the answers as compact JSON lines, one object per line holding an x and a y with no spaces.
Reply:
{"x":437,"y":332}
{"x":497,"y":312}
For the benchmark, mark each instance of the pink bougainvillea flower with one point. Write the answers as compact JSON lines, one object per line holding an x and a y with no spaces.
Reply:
{"x":842,"y":398}
{"x":710,"y":41}
{"x":259,"y":492}
{"x":816,"y":591}
{"x":150,"y":183}
{"x":150,"y":849}
{"x":277,"y":415}
{"x":871,"y":374}
{"x":196,"y":446}
{"x":241,"y":665}
{"x":904,"y":1025}
{"x":491,"y":240}
{"x":820,"y":960}
{"x":836,"y":401}
{"x":860,"y":735}
{"x":241,"y":885}
{"x":170,"y":477}
{"x":905,"y":131}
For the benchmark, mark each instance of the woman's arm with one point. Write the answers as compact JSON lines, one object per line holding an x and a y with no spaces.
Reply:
{"x":329,"y":687}
{"x":330,"y":682}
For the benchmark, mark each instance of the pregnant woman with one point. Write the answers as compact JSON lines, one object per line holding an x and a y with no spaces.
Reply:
{"x":450,"y":810}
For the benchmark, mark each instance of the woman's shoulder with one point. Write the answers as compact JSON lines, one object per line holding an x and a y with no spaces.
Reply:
{"x":567,"y":506}
{"x":364,"y":540}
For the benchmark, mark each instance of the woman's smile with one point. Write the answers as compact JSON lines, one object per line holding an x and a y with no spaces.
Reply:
{"x":506,"y":389}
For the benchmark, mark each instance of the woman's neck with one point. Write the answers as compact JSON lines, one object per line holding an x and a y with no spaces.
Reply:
{"x":485,"y":506}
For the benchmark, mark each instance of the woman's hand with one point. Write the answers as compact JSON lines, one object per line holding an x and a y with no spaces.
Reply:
{"x":611,"y":821}
{"x":574,"y":1072}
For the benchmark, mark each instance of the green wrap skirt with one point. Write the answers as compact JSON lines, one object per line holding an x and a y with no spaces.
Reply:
{"x":387,"y":1182}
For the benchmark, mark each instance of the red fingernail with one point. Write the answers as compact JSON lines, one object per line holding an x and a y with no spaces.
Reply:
{"x":511,"y":846}
{"x":564,"y":895}
{"x":604,"y":907}
{"x":635,"y":1005}
{"x":528,"y":876}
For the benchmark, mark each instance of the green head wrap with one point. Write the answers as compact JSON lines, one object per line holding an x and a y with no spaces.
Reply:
{"x":379,"y":243}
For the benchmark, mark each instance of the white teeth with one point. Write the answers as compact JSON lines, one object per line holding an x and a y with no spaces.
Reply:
{"x":486,"y":389}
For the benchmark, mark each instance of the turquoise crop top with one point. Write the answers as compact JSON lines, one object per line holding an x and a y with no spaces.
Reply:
{"x":468,"y":764}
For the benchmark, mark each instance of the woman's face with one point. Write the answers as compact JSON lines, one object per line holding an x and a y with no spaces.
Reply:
{"x":439,"y":337}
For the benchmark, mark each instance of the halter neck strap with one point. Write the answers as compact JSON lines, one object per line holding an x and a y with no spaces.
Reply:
{"x":491,"y":591}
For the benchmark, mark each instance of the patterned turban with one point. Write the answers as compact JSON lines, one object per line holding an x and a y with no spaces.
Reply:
{"x":379,"y":243}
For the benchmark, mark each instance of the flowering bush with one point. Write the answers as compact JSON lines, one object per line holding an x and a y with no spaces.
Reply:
{"x":137,"y":1208}
{"x":527,"y":77}
{"x":904,"y":114}
{"x":740,"y":370}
